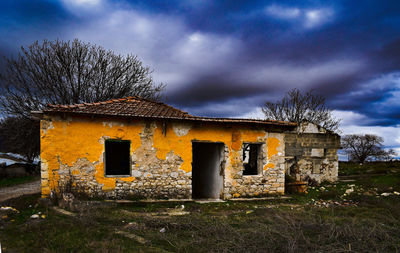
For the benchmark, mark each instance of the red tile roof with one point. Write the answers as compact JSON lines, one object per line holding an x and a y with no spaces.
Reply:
{"x":144,"y":108}
{"x":129,"y":106}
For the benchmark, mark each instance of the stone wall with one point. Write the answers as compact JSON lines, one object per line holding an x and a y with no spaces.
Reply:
{"x":312,"y":156}
{"x":161,"y":154}
{"x":270,"y":181}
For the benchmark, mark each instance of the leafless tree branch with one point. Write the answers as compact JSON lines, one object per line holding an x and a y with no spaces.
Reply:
{"x":296,"y":107}
{"x":361,"y":148}
{"x":59,"y":72}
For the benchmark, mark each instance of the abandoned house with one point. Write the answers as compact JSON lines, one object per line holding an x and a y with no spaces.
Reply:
{"x":134,"y":147}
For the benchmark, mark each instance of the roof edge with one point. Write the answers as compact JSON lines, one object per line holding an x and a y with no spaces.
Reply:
{"x":114,"y":100}
{"x":189,"y":118}
{"x":79,"y":109}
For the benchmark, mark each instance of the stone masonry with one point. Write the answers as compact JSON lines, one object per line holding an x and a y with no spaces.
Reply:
{"x":311,"y":154}
{"x":158,"y":178}
{"x":73,"y":140}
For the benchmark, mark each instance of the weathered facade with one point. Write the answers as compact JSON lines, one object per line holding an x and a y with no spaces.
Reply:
{"x":136,"y":148}
{"x":311,"y":154}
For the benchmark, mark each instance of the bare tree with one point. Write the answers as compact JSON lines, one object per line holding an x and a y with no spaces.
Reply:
{"x":58,"y":72}
{"x":361,"y":148}
{"x":297,"y":107}
{"x":21,"y":136}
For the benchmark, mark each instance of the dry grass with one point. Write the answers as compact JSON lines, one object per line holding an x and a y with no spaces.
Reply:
{"x":296,"y":225}
{"x":373,"y":226}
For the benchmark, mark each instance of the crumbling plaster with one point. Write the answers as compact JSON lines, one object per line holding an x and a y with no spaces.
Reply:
{"x":72,"y":152}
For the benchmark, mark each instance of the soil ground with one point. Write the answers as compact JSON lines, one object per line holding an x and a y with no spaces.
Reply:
{"x":19,"y":190}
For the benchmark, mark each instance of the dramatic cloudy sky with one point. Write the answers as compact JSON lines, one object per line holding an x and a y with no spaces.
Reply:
{"x":226,"y":58}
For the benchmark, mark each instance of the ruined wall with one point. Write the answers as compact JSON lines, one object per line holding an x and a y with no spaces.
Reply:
{"x":311,"y":154}
{"x":72,"y":158}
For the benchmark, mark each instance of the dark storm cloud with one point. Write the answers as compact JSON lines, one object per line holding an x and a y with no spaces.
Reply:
{"x":213,"y":88}
{"x":224,"y":58}
{"x":366,"y":32}
{"x":377,"y":98}
{"x":24,"y":21}
{"x":358,"y":31}
{"x":28,"y":12}
{"x":388,"y":56}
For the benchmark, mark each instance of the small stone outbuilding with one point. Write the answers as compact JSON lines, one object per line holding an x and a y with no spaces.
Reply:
{"x":138,"y":148}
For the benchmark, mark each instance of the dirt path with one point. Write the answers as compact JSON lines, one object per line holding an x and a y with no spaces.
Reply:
{"x":19,"y":190}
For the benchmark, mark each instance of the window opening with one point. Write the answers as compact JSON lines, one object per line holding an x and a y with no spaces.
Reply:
{"x":251,"y":158}
{"x":117,"y":157}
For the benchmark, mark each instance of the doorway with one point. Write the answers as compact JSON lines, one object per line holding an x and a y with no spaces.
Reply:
{"x":207,"y":170}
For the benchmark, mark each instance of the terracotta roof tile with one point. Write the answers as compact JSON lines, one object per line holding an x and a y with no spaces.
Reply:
{"x":130,"y":106}
{"x":144,"y":108}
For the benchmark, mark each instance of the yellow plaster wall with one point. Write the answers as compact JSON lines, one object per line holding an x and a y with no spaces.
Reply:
{"x":63,"y":142}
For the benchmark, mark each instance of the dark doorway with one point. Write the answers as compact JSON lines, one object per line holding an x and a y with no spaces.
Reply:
{"x":207,"y":170}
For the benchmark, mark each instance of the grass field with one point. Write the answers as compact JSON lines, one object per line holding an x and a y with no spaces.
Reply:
{"x":352,"y":216}
{"x":351,"y":168}
{"x":11,"y":181}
